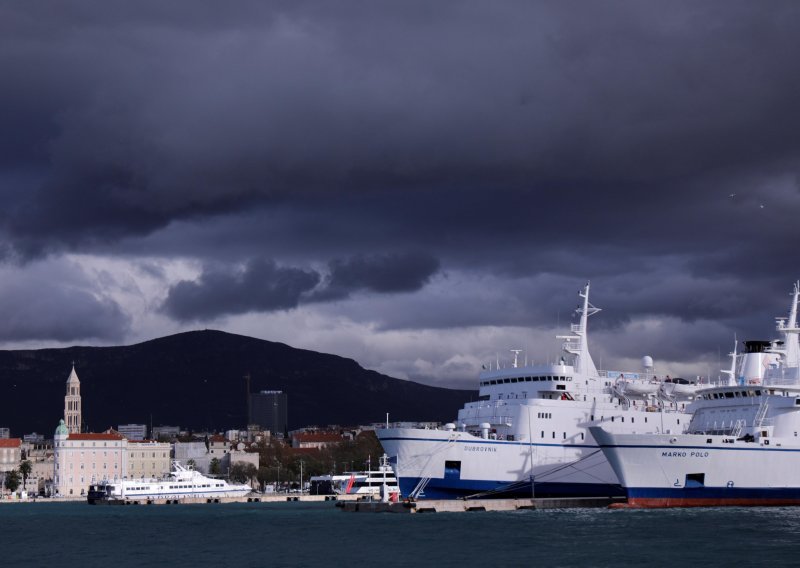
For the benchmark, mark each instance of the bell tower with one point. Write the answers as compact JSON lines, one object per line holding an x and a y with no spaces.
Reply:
{"x":72,"y":403}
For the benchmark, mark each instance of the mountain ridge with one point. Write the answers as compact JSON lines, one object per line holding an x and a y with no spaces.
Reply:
{"x":195,"y":379}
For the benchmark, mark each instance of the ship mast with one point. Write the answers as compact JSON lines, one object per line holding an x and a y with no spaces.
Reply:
{"x":732,"y":372}
{"x":577,"y":344}
{"x":790,"y":331}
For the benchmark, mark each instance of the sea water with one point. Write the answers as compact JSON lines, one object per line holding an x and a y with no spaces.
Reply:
{"x":319,"y":534}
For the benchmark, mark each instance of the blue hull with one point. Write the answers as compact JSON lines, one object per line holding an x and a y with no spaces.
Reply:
{"x":459,"y":488}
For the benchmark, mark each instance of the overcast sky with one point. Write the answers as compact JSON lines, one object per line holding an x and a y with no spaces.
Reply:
{"x":418,"y":185}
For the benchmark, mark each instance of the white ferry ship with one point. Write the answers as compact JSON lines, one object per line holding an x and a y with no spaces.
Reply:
{"x":369,"y":483}
{"x":180,"y":483}
{"x":741,"y":447}
{"x":528,"y":432}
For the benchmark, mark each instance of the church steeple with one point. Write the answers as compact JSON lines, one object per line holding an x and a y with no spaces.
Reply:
{"x":72,"y":403}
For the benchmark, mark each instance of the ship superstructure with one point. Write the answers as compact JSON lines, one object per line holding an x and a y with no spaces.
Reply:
{"x":741,"y":446}
{"x":528,"y":431}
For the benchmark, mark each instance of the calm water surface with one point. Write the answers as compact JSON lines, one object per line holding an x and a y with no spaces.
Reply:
{"x":318,"y":534}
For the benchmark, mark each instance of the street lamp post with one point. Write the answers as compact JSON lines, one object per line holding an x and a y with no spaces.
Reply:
{"x":301,"y":476}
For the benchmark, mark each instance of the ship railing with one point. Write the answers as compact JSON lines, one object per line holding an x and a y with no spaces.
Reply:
{"x":760,"y":418}
{"x":736,"y":431}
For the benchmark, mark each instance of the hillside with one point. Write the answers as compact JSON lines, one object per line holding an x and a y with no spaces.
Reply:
{"x":195,"y":380}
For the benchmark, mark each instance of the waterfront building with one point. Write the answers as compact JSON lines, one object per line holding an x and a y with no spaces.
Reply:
{"x":133,"y":431}
{"x":10,"y":454}
{"x":10,"y":457}
{"x":193,"y":453}
{"x":72,"y":403}
{"x":148,"y":459}
{"x":5,"y":433}
{"x":268,"y":410}
{"x":317,"y":440}
{"x":239,"y":456}
{"x":165,"y":432}
{"x":41,"y":456}
{"x":235,"y":435}
{"x":253,"y":434}
{"x":82,"y":459}
{"x":218,"y":446}
{"x":33,"y":438}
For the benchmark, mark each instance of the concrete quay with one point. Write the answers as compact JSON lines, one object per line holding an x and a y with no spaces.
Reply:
{"x":471,"y":505}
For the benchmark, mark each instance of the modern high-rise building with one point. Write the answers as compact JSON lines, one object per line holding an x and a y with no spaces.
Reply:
{"x":268,"y":409}
{"x":72,"y":403}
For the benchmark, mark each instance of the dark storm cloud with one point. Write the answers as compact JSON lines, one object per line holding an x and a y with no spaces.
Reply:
{"x":58,"y":303}
{"x":260,"y":286}
{"x":263,"y":286}
{"x":139,"y":117}
{"x":653,"y":148}
{"x":382,"y":274}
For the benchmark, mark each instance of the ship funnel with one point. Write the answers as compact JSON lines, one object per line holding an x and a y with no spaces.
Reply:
{"x":755,"y":361}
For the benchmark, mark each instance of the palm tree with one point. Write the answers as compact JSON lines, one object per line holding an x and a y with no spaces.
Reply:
{"x":12,"y":480}
{"x":25,"y":469}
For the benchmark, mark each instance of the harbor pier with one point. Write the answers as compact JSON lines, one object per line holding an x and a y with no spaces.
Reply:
{"x":471,"y":505}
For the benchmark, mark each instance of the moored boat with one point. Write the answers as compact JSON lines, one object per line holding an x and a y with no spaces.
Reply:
{"x":741,"y":447}
{"x":527,"y":434}
{"x":180,"y":483}
{"x":378,"y":482}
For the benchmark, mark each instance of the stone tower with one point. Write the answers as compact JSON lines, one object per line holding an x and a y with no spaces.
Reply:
{"x":72,"y":403}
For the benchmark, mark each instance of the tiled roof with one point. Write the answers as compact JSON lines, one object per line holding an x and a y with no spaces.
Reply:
{"x":102,"y":436}
{"x":10,"y":442}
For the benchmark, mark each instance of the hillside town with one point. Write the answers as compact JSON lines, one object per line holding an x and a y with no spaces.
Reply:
{"x":264,"y":454}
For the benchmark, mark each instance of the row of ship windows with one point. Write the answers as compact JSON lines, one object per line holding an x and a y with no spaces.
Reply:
{"x":622,"y":419}
{"x":731,"y":394}
{"x":563,"y":435}
{"x":546,"y":415}
{"x":177,"y":487}
{"x":523,"y":380}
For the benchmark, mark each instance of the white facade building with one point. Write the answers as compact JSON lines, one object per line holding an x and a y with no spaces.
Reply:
{"x":148,"y":460}
{"x":81,"y":459}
